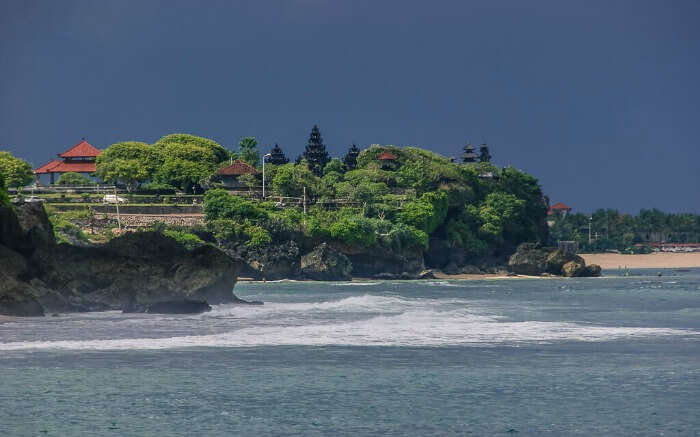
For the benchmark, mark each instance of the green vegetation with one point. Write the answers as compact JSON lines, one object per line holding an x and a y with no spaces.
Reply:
{"x":396,"y":206}
{"x":187,"y":239}
{"x":64,"y":230}
{"x":16,"y":172}
{"x":611,"y":229}
{"x":4,"y":197}
{"x":72,"y":178}
{"x":248,"y":151}
{"x":182,"y":161}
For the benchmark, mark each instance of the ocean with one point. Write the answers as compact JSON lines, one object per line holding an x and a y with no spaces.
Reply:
{"x":611,"y":356}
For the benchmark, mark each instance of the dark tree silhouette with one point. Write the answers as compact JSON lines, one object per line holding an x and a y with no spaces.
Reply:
{"x":350,"y":159}
{"x":277,"y":156}
{"x":484,"y":155}
{"x":315,"y":152}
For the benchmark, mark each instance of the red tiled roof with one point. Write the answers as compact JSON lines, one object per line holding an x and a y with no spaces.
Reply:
{"x":46,"y":168}
{"x":237,"y":168}
{"x":560,"y":206}
{"x":387,"y":156}
{"x":64,"y":167}
{"x":82,"y":149}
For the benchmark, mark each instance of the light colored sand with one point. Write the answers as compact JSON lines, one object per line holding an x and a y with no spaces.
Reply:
{"x":649,"y":261}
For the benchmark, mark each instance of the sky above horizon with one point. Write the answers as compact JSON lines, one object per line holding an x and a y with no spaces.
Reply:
{"x":598,"y":99}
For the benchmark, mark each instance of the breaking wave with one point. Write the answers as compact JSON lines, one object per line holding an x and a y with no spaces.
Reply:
{"x":358,"y":321}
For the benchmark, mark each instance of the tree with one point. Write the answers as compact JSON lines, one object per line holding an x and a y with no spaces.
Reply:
{"x":315,"y":153}
{"x":182,"y":173}
{"x":185,"y":161}
{"x":277,"y":156}
{"x":130,"y":162}
{"x":484,"y":155}
{"x":248,"y":151}
{"x":350,"y":159}
{"x":334,"y":165}
{"x":427,"y":212}
{"x":17,"y":172}
{"x":4,"y":196}
{"x":249,"y":180}
{"x":72,"y":178}
{"x":290,"y":180}
{"x":220,"y":154}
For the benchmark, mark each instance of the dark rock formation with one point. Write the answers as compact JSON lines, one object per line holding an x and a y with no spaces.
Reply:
{"x":131,"y":272}
{"x":592,"y":270}
{"x":385,"y":265}
{"x":326,"y":264}
{"x":276,"y":261}
{"x":533,"y":259}
{"x":529,"y":259}
{"x":179,"y":307}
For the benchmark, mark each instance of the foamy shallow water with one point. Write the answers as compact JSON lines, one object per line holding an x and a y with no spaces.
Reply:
{"x":611,"y":356}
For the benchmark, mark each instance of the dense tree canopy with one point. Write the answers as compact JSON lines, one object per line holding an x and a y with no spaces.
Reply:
{"x":72,"y":178}
{"x":17,"y":172}
{"x":129,"y":162}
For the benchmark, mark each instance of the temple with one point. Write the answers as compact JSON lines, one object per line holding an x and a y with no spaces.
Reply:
{"x":469,"y":155}
{"x":79,"y":159}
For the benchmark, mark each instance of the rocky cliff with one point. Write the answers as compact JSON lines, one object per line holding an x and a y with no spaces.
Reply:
{"x":533,"y":259}
{"x":130,"y":273}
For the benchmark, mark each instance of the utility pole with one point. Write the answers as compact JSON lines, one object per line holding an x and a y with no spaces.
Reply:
{"x":304,"y":201}
{"x":590,"y":222}
{"x":116,"y":202}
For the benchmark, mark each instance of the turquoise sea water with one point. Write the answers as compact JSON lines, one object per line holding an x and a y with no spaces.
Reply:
{"x":552,"y":357}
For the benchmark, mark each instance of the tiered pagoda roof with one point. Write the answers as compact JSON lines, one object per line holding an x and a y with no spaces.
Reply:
{"x":79,"y":158}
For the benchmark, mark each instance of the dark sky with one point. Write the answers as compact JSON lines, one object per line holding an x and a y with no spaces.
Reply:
{"x":598,"y":99}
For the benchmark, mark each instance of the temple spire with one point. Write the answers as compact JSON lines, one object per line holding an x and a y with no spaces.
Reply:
{"x":469,"y":155}
{"x":277,"y":156}
{"x":315,"y":152}
{"x":350,"y":159}
{"x":484,"y":155}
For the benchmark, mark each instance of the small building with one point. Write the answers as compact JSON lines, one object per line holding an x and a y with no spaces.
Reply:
{"x":388,"y":160}
{"x":559,"y":209}
{"x":229,"y":175}
{"x":78,"y":159}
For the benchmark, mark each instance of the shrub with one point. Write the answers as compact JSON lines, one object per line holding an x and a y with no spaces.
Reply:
{"x":188,"y":240}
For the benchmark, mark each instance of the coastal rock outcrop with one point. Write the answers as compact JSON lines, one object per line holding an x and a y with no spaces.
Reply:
{"x":326,"y":264}
{"x":380,"y":264}
{"x":529,"y":259}
{"x":533,"y":259}
{"x":132,"y":272}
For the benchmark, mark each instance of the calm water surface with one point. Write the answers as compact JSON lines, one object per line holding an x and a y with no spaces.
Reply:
{"x":601,"y":356}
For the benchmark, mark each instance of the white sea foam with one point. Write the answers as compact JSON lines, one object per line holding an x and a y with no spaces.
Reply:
{"x":413,"y":327}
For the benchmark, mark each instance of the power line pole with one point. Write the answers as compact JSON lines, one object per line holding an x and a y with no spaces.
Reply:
{"x":116,"y":202}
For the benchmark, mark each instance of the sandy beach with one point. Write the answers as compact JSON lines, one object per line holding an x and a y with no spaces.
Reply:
{"x":649,"y":261}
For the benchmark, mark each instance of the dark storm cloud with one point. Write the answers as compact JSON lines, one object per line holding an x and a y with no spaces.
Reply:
{"x":597,"y":99}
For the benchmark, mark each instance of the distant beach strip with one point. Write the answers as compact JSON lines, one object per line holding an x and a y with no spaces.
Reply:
{"x":647,"y":261}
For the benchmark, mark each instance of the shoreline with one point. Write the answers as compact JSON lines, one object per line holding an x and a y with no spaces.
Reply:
{"x":657,"y":260}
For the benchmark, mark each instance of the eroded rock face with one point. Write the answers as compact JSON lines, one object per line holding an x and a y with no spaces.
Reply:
{"x":592,"y":270}
{"x":533,"y":259}
{"x":529,"y":259}
{"x":573,"y":269}
{"x":382,"y":265}
{"x":326,"y":264}
{"x":133,"y":272}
